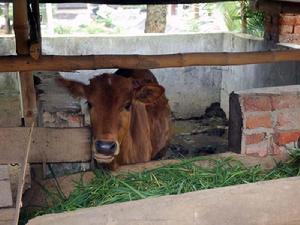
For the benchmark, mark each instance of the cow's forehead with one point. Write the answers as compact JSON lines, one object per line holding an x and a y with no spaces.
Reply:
{"x":111,"y":81}
{"x":110,"y":85}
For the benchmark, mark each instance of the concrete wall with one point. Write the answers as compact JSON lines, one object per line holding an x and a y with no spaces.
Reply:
{"x":236,"y":78}
{"x":190,"y":90}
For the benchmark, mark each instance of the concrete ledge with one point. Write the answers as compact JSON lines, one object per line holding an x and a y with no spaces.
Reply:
{"x":264,"y":203}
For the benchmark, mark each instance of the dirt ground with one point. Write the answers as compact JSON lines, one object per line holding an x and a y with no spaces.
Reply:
{"x":205,"y":135}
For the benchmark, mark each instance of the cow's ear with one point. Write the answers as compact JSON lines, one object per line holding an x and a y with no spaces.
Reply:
{"x":149,"y":93}
{"x":77,"y":89}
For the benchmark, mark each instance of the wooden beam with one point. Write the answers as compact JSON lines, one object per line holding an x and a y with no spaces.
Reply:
{"x":129,"y":2}
{"x":21,"y":29}
{"x":48,"y":145}
{"x":91,"y":62}
{"x":275,"y":7}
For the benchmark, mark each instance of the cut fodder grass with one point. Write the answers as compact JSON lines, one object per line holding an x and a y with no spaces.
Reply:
{"x":185,"y":176}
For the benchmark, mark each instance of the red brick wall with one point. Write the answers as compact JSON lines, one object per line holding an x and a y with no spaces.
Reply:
{"x":270,"y":120}
{"x":283,"y":28}
{"x":289,"y":28}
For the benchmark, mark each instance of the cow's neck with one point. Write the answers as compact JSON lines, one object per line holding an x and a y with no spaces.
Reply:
{"x":136,"y":145}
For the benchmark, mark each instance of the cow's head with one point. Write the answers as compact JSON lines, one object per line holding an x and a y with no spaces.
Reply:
{"x":110,"y":99}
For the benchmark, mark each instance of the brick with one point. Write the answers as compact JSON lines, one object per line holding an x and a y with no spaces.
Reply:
{"x":287,"y":20}
{"x":260,"y":149}
{"x":257,"y":103}
{"x":286,"y":29}
{"x":289,"y":38}
{"x":285,"y":102}
{"x":276,"y":149}
{"x":288,"y":120}
{"x":255,"y":138}
{"x":256,"y":121}
{"x":285,"y":137}
{"x":297,"y":29}
{"x":297,"y":20}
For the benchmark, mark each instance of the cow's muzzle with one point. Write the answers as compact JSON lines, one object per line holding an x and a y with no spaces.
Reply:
{"x":105,"y":151}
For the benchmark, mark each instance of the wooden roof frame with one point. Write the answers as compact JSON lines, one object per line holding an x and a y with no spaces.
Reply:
{"x":141,"y":2}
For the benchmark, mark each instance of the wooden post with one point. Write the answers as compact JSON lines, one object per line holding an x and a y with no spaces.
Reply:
{"x":35,"y":29}
{"x":27,"y":91}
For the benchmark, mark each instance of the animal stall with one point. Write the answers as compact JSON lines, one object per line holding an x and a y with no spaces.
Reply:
{"x":31,"y":144}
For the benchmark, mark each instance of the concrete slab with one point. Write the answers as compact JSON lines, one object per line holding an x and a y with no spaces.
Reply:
{"x":5,"y":194}
{"x":4,"y":174}
{"x":265,"y":203}
{"x":7,"y":216}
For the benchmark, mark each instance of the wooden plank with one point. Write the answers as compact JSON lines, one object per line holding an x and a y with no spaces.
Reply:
{"x":6,"y":216}
{"x":22,"y":175}
{"x":5,"y":194}
{"x":91,"y":62}
{"x":269,"y":203}
{"x":48,"y":144}
{"x":129,"y":2}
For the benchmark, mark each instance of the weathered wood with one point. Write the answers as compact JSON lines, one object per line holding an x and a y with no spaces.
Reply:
{"x":21,"y":29}
{"x":35,"y":30}
{"x":5,"y":194}
{"x":48,"y":144}
{"x":235,"y":124}
{"x":276,"y":7}
{"x":270,"y":203}
{"x":71,"y":63}
{"x":21,"y":182}
{"x":128,"y":2}
{"x":28,"y":97}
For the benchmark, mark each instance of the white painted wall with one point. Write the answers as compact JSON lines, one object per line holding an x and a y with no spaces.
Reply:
{"x":191,"y":89}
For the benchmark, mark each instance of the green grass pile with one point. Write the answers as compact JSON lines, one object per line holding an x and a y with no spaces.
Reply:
{"x":182,"y":177}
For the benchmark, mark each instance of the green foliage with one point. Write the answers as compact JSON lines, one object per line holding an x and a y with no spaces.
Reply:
{"x":232,"y":13}
{"x":194,"y":25}
{"x":182,"y":177}
{"x":255,"y":22}
{"x":60,"y":29}
{"x":107,"y":22}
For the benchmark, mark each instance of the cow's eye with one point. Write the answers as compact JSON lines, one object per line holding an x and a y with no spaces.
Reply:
{"x":127,"y":106}
{"x":89,"y":104}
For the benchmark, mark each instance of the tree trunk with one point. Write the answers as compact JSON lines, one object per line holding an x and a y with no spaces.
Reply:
{"x":156,"y":19}
{"x":244,"y":16}
{"x":196,"y":10}
{"x":8,"y":28}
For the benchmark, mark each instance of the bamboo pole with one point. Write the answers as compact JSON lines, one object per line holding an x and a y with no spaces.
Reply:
{"x":22,"y":175}
{"x":91,"y":62}
{"x":22,"y":48}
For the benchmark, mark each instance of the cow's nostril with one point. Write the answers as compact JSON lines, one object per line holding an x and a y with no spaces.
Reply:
{"x":106,"y":147}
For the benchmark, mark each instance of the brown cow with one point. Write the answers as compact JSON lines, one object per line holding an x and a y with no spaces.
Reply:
{"x":130,"y":115}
